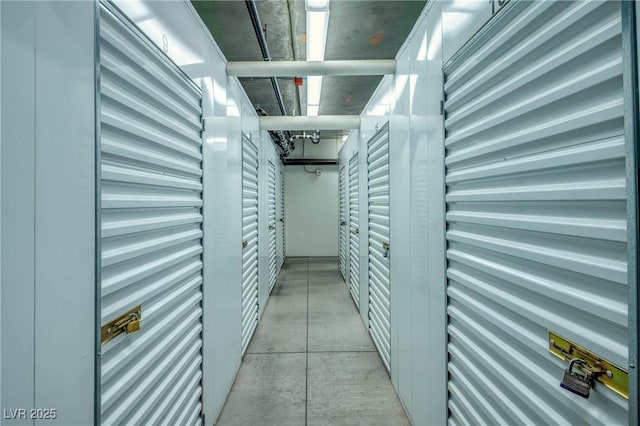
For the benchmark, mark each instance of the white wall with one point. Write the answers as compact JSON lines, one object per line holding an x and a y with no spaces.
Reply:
{"x":48,"y":199}
{"x":311,"y":202}
{"x":18,"y":51}
{"x":311,"y":211}
{"x":325,"y":149}
{"x":418,"y":215}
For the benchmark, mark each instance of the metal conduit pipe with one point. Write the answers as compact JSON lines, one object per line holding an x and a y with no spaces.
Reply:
{"x":283,"y":143}
{"x":314,"y":138}
{"x":262,"y":42}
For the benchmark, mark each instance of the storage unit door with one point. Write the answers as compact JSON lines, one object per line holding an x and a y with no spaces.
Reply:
{"x":378,"y":216}
{"x":354,"y":232}
{"x":536,"y":213}
{"x":342,"y":229}
{"x":271,"y":201}
{"x":249,"y":240}
{"x":150,"y":217}
{"x":281,"y":254}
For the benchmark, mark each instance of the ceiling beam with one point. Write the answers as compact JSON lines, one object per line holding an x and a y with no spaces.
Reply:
{"x":306,"y":68}
{"x":321,"y":122}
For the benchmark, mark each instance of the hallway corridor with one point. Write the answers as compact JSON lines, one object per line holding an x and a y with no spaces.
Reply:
{"x":311,"y":360}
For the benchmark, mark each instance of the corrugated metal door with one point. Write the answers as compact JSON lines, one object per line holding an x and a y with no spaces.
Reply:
{"x":271,"y":209}
{"x":536,"y":212}
{"x":354,"y":232}
{"x":150,"y":218}
{"x":281,"y":254}
{"x":249,"y":240}
{"x":342,"y":231}
{"x":378,"y":216}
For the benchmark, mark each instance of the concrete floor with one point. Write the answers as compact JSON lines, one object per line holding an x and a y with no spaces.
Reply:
{"x":311,"y":360}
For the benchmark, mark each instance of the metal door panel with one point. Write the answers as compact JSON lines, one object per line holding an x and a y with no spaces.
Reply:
{"x":342,"y":231}
{"x":378,"y":237}
{"x":249,"y":240}
{"x":281,"y":247}
{"x":354,"y":232}
{"x":536,"y":212}
{"x":150,"y":218}
{"x":271,"y":204}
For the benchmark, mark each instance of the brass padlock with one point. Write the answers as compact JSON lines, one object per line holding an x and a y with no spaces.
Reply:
{"x":576,"y":382}
{"x":127,"y":322}
{"x":133,"y":325}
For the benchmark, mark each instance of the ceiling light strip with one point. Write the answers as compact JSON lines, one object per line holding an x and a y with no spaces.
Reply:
{"x":317,"y":27}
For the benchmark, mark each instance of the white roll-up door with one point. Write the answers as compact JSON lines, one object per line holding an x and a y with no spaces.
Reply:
{"x":151,"y":238}
{"x":249,"y":240}
{"x":278,"y":220}
{"x":271,"y":212}
{"x":536,"y":213}
{"x":354,"y":232}
{"x":378,"y":216}
{"x":281,"y":248}
{"x":342,"y":226}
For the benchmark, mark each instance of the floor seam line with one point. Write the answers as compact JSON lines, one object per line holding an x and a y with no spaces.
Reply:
{"x":306,"y":373}
{"x":341,"y":352}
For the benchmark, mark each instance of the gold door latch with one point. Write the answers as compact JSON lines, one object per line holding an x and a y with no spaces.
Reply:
{"x":590,"y":364}
{"x":129,"y":322}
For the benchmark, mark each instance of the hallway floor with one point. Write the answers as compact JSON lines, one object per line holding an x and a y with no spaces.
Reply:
{"x":311,"y":360}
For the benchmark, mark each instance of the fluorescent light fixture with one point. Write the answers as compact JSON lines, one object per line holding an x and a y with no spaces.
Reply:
{"x":317,"y":27}
{"x":314,"y":89}
{"x":317,"y":5}
{"x":317,"y":24}
{"x":312,"y":110}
